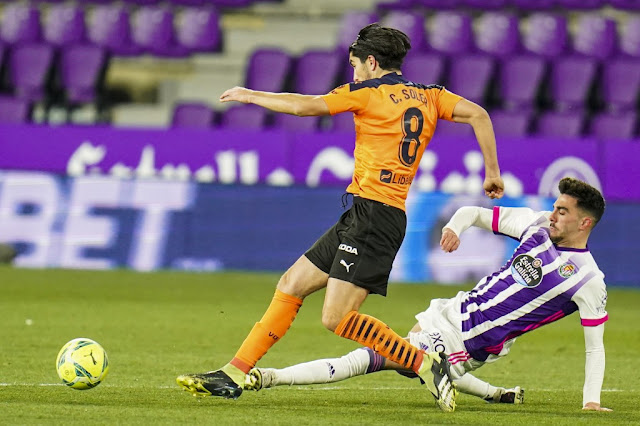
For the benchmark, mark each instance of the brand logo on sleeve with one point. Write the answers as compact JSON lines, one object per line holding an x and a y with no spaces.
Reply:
{"x":527,"y":270}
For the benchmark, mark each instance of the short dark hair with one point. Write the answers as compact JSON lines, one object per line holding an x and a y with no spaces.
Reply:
{"x":388,"y":45}
{"x":589,"y":198}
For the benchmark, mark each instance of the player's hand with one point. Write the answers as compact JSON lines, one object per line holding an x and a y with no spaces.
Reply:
{"x":493,"y":187}
{"x":236,"y":94}
{"x":449,"y":241}
{"x":594,"y":406}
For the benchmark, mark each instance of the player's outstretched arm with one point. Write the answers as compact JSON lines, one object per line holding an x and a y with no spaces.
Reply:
{"x":461,"y":220}
{"x":594,"y":368}
{"x":468,"y":112}
{"x":288,"y":103}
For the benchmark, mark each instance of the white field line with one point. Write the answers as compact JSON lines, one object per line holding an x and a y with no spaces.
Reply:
{"x":304,"y":388}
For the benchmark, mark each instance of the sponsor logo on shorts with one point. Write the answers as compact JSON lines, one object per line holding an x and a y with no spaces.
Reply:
{"x":437,"y":342}
{"x":348,"y":249}
{"x":526,"y":270}
{"x":567,"y":270}
{"x":387,"y":176}
{"x":343,"y":263}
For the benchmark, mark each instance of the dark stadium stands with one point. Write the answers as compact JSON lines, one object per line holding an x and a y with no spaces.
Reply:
{"x":541,"y":66}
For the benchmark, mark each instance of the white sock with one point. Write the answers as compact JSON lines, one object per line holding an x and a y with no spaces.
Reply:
{"x":473,"y":386}
{"x":355,"y":363}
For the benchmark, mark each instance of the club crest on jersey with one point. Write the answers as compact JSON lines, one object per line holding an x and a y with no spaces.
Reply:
{"x":567,"y":269}
{"x":527,"y":270}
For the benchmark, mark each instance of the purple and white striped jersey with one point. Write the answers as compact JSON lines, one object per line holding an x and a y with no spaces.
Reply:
{"x":540,"y":284}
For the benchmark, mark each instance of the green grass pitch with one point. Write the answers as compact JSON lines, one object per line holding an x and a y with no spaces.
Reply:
{"x":155,"y":326}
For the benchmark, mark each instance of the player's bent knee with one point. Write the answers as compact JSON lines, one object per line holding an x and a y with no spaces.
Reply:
{"x":331,"y":319}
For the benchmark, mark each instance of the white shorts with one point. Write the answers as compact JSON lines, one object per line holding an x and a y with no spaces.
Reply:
{"x":440,"y":325}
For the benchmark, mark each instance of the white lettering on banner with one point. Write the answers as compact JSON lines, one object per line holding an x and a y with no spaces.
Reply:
{"x":83,"y":230}
{"x":85,"y":155}
{"x":34,"y":211}
{"x":40,"y":193}
{"x":233,"y":167}
{"x":155,"y":199}
{"x":566,"y":167}
{"x":332,"y":159}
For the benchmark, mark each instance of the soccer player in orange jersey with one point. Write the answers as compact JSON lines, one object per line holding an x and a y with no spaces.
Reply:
{"x":394,"y":120}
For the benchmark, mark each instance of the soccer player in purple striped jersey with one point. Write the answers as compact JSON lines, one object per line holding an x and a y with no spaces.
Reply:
{"x":550,"y":275}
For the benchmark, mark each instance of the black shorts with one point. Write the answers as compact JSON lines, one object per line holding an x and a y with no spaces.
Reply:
{"x":361,"y":246}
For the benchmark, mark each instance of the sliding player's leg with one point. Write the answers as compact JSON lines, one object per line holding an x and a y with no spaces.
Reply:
{"x":365,"y":361}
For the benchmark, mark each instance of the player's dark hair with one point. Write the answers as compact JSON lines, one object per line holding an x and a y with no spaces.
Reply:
{"x":388,"y":45}
{"x":588,"y":198}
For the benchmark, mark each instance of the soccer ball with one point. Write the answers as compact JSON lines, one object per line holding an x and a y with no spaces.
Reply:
{"x":82,"y":364}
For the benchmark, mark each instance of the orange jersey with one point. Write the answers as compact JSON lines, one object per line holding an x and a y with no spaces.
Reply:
{"x":395,"y":120}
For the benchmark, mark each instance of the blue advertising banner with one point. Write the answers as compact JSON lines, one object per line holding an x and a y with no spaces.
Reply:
{"x":101,"y":222}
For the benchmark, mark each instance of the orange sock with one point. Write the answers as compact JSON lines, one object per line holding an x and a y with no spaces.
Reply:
{"x":375,"y":334}
{"x":274,"y":324}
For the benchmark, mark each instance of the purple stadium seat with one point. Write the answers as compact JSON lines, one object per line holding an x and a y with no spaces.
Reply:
{"x":198,"y":30}
{"x":193,"y":115}
{"x":595,"y":36}
{"x":342,"y":122}
{"x":630,"y":37}
{"x":410,"y":23}
{"x":486,"y":4}
{"x":546,"y":34}
{"x":14,"y":110}
{"x":564,"y":125}
{"x":469,"y":76}
{"x":571,"y":80}
{"x":20,"y":23}
{"x":614,"y":126}
{"x":513,"y":124}
{"x":581,"y":4}
{"x":397,"y":5}
{"x":519,"y":80}
{"x":346,"y":74}
{"x":29,"y":67}
{"x":449,"y":128}
{"x":621,"y":83}
{"x":425,"y":68}
{"x":64,"y":24}
{"x":244,"y":117}
{"x":268,"y":70}
{"x":190,"y":2}
{"x":81,"y":68}
{"x":316,"y":71}
{"x":293,"y":123}
{"x":143,"y":2}
{"x":231,"y":3}
{"x":152,"y":30}
{"x":351,"y":23}
{"x":439,"y":4}
{"x":451,"y":33}
{"x":625,"y":4}
{"x":497,"y":33}
{"x":534,"y":4}
{"x":108,"y":26}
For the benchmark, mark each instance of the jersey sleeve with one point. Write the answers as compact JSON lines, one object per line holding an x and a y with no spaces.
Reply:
{"x":347,"y":98}
{"x":445,"y":102}
{"x":513,"y":221}
{"x":592,"y":302}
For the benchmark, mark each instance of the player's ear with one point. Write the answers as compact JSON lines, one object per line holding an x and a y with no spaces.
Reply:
{"x":371,"y":62}
{"x":586,"y":223}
